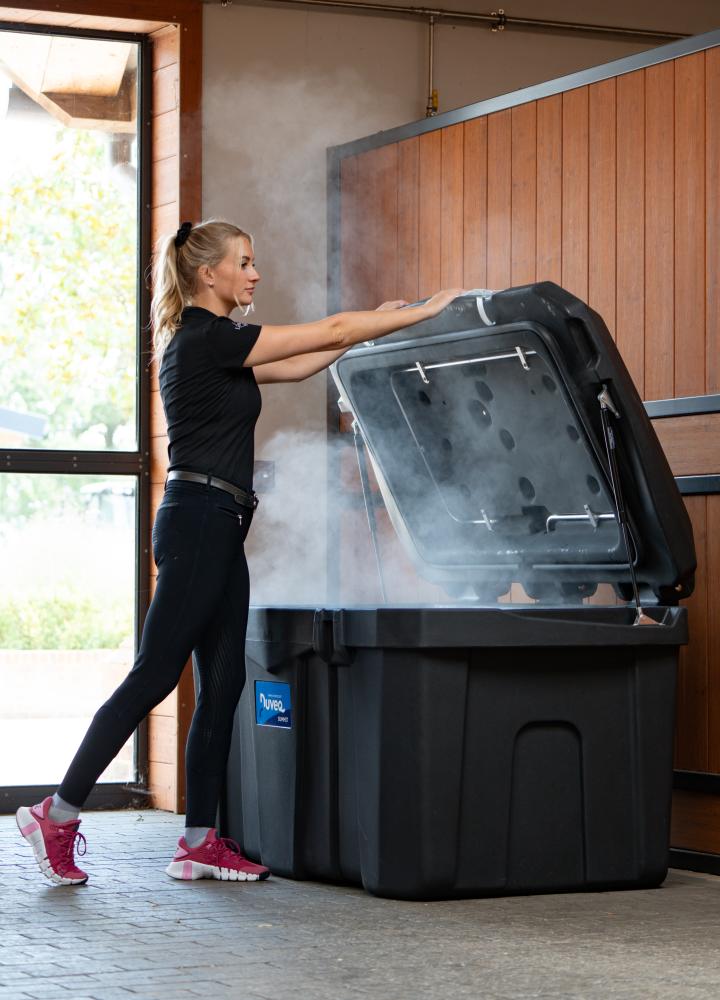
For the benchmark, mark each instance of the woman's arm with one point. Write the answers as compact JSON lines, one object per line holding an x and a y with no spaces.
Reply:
{"x":341,"y":331}
{"x":304,"y":365}
{"x":296,"y":369}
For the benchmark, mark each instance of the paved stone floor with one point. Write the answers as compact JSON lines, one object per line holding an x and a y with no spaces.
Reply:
{"x":134,"y":933}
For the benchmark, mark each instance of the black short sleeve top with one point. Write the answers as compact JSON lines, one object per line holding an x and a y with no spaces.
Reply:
{"x":211,"y":401}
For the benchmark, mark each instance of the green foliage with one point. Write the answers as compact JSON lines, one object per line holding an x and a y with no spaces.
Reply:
{"x":69,"y":622}
{"x":25,"y":496}
{"x":68,"y":270}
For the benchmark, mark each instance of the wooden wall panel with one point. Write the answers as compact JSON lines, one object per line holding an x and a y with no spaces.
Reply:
{"x":499,"y":199}
{"x":190,"y":110}
{"x":630,"y":304}
{"x":712,"y":216}
{"x":696,"y":822}
{"x":349,"y":225}
{"x":166,"y":85}
{"x":164,"y":220}
{"x":165,"y":50}
{"x":691,"y":444}
{"x":385,"y":247}
{"x":367,"y":226}
{"x":451,"y":208}
{"x":165,"y":135}
{"x":602,"y":200}
{"x":165,"y":182}
{"x":475,"y":204}
{"x":524,"y":194}
{"x":575,"y":153}
{"x":548,"y":230}
{"x":692,"y":691}
{"x":162,"y":738}
{"x":430,"y":227}
{"x":690,"y":225}
{"x":100,"y":15}
{"x":430,"y":223}
{"x":158,"y":424}
{"x":408,"y":219}
{"x":613,"y":191}
{"x":158,"y":461}
{"x":712,"y":555}
{"x":659,"y":230}
{"x":163,"y":778}
{"x":176,"y":193}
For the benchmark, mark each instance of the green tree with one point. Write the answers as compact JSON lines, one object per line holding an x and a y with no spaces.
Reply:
{"x":68,"y":264}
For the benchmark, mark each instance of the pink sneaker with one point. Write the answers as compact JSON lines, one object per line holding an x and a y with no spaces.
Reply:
{"x":217,"y":857}
{"x":53,"y":843}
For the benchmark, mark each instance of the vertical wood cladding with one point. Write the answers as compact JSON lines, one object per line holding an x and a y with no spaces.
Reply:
{"x":630,"y":228}
{"x":176,"y":194}
{"x":575,"y":177}
{"x":613,"y":191}
{"x":475,"y":203}
{"x":602,"y":201}
{"x":430,"y":193}
{"x":164,"y":776}
{"x":690,"y":225}
{"x":712,"y":215}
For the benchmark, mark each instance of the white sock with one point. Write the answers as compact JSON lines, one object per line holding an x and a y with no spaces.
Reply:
{"x":61,"y":811}
{"x":194,"y":835}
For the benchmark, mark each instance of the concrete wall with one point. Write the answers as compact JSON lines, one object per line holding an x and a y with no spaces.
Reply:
{"x":280,"y":86}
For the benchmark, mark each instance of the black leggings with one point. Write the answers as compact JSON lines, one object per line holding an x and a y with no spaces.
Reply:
{"x":200,"y":606}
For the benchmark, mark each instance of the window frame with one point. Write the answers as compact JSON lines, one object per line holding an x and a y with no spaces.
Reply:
{"x":111,"y":463}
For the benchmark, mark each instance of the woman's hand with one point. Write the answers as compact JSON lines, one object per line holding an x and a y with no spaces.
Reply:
{"x":341,"y":331}
{"x":395,"y":304}
{"x":439,"y":300}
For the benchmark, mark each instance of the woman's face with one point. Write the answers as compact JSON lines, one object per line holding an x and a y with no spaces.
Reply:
{"x":235,"y":276}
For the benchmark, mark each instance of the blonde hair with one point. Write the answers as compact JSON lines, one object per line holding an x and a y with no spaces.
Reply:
{"x":174,"y":274}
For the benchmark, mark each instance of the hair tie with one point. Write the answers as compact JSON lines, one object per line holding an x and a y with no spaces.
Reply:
{"x":182,"y":234}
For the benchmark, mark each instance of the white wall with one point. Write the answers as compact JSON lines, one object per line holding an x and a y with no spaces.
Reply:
{"x":280,"y":86}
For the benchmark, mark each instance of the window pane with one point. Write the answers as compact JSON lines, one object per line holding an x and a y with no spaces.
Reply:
{"x":68,"y":242}
{"x":67,"y":586}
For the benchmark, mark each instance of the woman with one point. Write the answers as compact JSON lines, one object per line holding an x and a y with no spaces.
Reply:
{"x":209,"y":372}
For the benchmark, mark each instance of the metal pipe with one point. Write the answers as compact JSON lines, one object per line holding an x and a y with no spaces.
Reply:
{"x":432,"y":101}
{"x":603,"y":29}
{"x":497,"y":20}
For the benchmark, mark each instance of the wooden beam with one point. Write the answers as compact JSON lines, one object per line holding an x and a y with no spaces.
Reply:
{"x":691,"y":444}
{"x":696,"y":822}
{"x":127,"y":15}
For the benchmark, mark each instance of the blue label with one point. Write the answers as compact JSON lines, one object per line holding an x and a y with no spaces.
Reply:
{"x":273,"y":706}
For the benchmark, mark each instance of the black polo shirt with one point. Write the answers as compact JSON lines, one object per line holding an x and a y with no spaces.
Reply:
{"x":211,"y":402}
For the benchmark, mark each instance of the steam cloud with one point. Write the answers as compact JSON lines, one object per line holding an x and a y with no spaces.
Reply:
{"x":273,"y":183}
{"x":269,"y":175}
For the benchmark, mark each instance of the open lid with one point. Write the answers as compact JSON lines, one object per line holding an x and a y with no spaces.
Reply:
{"x":484,"y":429}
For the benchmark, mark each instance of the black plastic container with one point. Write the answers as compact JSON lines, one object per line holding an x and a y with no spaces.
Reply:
{"x":438,"y":752}
{"x":459,"y":752}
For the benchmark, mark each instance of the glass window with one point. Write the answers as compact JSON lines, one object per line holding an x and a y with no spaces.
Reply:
{"x":67,"y":607}
{"x":69,"y":348}
{"x":68,"y":242}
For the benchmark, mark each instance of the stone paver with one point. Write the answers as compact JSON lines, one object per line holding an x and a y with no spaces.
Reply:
{"x":134,"y":934}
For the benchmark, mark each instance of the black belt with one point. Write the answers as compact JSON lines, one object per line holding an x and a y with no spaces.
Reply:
{"x":241,"y":496}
